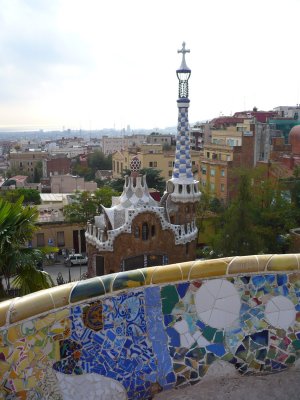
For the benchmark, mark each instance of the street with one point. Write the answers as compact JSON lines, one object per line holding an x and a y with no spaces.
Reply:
{"x":55,"y":269}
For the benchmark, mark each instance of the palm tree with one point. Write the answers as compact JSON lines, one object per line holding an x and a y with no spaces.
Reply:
{"x":17,"y":225}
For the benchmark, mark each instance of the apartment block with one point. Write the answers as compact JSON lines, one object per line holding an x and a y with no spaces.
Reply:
{"x":26,"y":161}
{"x":151,"y":156}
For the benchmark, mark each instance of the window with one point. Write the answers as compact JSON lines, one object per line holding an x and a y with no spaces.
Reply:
{"x":193,"y":162}
{"x":137,"y":232}
{"x":222,"y":172}
{"x":170,"y":173}
{"x":228,"y":158}
{"x":145,"y":231}
{"x":212,"y":187}
{"x":153,"y":230}
{"x":203,"y":170}
{"x":171,"y":164}
{"x":153,"y":164}
{"x":212,"y":172}
{"x":208,"y":154}
{"x":40,"y":240}
{"x":222,"y":187}
{"x":60,"y":239}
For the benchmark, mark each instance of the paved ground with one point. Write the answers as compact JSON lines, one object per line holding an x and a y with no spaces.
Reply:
{"x":281,"y":386}
{"x":75,"y":271}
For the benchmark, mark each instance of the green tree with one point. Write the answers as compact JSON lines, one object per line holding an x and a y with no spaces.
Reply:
{"x":30,"y":196}
{"x":154,"y":179}
{"x":258,"y":220}
{"x":38,"y":172}
{"x":82,"y":209}
{"x":103,"y":196}
{"x":98,"y":160}
{"x":238,"y":234}
{"x":17,"y":225}
{"x":86,"y":205}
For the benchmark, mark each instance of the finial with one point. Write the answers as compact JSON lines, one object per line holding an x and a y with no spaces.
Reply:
{"x":183,"y":65}
{"x":135,"y":165}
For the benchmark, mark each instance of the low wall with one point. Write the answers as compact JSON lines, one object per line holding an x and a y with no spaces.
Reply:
{"x":133,"y":334}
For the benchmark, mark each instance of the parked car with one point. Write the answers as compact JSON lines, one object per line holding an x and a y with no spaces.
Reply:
{"x":76,"y":259}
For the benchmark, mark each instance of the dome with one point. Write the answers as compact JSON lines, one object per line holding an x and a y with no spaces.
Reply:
{"x":294,"y":139}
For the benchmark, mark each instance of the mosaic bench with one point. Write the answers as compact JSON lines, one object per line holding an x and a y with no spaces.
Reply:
{"x":133,"y":334}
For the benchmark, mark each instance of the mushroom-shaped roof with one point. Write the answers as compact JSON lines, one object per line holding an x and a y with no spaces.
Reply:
{"x":294,"y":139}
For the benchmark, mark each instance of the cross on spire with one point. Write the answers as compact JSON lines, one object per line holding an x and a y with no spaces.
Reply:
{"x":183,"y":65}
{"x":183,"y":50}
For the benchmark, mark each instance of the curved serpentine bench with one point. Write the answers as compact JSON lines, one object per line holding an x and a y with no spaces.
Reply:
{"x":133,"y":334}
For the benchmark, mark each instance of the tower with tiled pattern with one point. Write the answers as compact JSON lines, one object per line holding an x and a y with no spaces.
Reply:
{"x":182,"y":189}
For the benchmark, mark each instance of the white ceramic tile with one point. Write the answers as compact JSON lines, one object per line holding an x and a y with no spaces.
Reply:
{"x":280,"y":312}
{"x":214,"y":286}
{"x":272,"y":318}
{"x":186,"y":340}
{"x":74,"y":387}
{"x":181,"y":326}
{"x":200,"y":339}
{"x":227,"y":289}
{"x":231,"y":304}
{"x":271,"y":307}
{"x":205,"y":316}
{"x":204,"y":300}
{"x":225,"y":300}
{"x":221,"y":319}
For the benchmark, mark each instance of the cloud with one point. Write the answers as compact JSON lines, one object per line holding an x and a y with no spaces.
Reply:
{"x":35,"y":49}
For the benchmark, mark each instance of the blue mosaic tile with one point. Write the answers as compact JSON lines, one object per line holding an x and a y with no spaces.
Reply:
{"x":182,"y":289}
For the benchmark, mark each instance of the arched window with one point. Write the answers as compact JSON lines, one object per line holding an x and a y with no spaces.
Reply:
{"x":137,"y":232}
{"x":145,"y":231}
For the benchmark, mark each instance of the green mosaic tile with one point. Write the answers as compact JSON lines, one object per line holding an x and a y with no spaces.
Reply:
{"x":87,"y":289}
{"x":129,"y":279}
{"x":290,"y":360}
{"x":169,"y":297}
{"x":178,"y":367}
{"x":209,"y":333}
{"x":261,"y":354}
{"x":272,"y":353}
{"x":255,"y":365}
{"x":296,"y":344}
{"x":197,"y":353}
{"x":219,"y":337}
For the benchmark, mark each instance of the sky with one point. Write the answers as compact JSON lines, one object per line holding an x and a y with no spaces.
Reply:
{"x":95,"y":64}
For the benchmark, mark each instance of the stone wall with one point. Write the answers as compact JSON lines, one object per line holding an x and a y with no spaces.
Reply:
{"x":134,"y":334}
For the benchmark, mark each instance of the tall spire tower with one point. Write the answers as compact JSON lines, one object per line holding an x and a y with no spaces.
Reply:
{"x":183,"y":187}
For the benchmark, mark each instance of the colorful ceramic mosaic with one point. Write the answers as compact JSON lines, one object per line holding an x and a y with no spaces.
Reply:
{"x":134,"y":334}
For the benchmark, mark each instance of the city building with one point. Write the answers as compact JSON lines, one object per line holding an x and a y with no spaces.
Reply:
{"x":137,"y":231}
{"x":69,"y":183}
{"x":53,"y":230}
{"x":285,"y":118}
{"x":56,"y":165}
{"x":26,"y":161}
{"x":111,"y":144}
{"x":150,"y":156}
{"x":241,"y":140}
